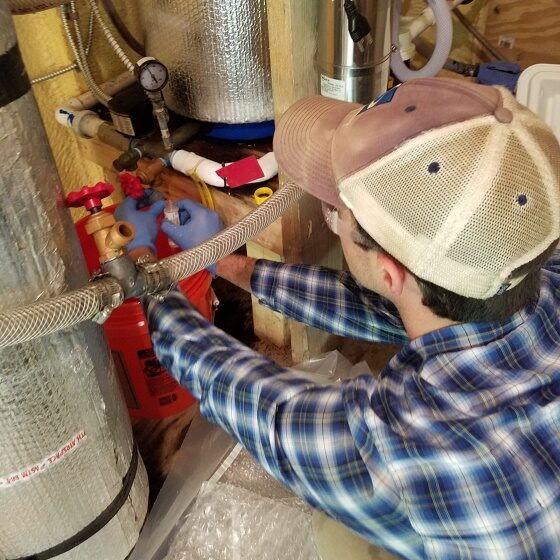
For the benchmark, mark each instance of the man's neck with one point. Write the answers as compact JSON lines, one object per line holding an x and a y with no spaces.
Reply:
{"x":418,"y":320}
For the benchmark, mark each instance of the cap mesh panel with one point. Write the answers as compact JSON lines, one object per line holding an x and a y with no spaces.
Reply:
{"x":501,"y":230}
{"x":404,"y":187}
{"x":549,"y":145}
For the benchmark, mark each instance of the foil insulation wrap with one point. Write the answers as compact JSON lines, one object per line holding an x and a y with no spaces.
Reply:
{"x":217,"y":54}
{"x":65,"y":437}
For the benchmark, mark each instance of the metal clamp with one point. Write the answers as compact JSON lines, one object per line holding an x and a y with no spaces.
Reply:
{"x":117,"y":299}
{"x":156,"y":280}
{"x":105,"y":313}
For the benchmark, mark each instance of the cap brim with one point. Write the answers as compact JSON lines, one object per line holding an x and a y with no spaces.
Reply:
{"x":302,"y":144}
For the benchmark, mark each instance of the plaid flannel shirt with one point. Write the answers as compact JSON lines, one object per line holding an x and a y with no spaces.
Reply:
{"x":452,"y":453}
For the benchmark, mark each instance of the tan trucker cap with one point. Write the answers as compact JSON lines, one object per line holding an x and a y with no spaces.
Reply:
{"x":457,"y":181}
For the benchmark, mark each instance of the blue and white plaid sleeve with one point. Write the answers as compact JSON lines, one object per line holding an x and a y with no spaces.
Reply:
{"x":327,"y":299}
{"x":298,"y":431}
{"x":553,"y":264}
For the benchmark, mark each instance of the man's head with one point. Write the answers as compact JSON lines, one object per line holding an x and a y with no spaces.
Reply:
{"x":456,"y":181}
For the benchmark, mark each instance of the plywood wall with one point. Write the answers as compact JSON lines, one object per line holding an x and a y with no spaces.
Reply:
{"x":531,"y":26}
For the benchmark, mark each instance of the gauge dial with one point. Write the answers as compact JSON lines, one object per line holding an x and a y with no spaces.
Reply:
{"x":151,"y":74}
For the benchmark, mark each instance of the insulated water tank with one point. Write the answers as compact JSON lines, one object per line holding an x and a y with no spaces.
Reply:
{"x":72,"y":485}
{"x":217,"y":54}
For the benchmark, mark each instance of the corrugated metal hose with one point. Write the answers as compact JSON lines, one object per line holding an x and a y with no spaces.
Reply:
{"x":30,"y":6}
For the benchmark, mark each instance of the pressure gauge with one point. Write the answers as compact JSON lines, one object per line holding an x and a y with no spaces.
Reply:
{"x":151,"y":74}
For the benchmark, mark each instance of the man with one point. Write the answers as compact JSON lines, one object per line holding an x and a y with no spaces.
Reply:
{"x":448,"y":204}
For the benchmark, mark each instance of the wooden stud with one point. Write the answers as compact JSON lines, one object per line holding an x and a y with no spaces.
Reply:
{"x":292,"y":28}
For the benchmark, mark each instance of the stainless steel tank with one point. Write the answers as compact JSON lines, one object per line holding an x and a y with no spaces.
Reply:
{"x":346,"y":72}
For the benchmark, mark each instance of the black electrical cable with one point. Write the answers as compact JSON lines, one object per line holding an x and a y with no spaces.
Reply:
{"x":358,"y":26}
{"x":479,"y":36}
{"x":121,"y":27}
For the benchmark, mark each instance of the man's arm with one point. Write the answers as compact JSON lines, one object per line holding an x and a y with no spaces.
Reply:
{"x":323,"y":298}
{"x":298,"y":431}
{"x":237,"y":269}
{"x":319,"y":297}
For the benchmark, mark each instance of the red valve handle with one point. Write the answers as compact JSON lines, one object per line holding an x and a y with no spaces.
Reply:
{"x":90,"y":197}
{"x":132,"y":186}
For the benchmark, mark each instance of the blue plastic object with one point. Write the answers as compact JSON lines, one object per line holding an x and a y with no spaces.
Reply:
{"x":243,"y":132}
{"x":498,"y":73}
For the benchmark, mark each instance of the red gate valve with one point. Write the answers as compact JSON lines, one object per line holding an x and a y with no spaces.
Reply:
{"x":90,"y":197}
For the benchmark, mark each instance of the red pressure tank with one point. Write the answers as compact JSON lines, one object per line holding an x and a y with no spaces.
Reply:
{"x":149,"y":390}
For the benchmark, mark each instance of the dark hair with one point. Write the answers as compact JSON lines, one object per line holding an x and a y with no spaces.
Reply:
{"x":450,"y":305}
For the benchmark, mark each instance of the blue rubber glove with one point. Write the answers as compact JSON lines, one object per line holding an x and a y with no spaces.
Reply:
{"x":198,"y":224}
{"x":144,"y":222}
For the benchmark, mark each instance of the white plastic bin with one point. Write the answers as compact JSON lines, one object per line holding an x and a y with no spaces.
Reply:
{"x":539,"y":90}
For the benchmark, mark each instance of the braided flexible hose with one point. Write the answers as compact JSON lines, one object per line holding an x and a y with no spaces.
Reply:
{"x":45,"y":317}
{"x":74,"y":65}
{"x":189,"y":262}
{"x":110,"y":37}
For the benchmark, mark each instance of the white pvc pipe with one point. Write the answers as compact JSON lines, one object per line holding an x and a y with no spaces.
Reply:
{"x":189,"y":162}
{"x":416,"y":26}
{"x":87,"y":100}
{"x":84,"y":123}
{"x":74,"y":113}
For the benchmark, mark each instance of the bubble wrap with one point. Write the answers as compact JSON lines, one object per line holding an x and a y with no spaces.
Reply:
{"x":246,"y":473}
{"x":217,"y":54}
{"x":65,"y":437}
{"x":230,"y":523}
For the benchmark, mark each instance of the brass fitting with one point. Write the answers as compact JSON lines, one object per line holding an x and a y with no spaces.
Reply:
{"x":109,"y":235}
{"x":148,"y":171}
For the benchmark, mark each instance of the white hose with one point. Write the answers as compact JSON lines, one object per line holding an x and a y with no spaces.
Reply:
{"x":26,"y":323}
{"x":188,"y":162}
{"x":226,"y":242}
{"x":110,"y":37}
{"x":444,"y":39}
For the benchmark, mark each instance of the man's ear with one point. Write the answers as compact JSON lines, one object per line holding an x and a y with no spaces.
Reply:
{"x":393,"y":273}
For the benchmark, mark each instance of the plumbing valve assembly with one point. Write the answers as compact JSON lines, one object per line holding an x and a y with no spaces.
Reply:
{"x":111,"y":238}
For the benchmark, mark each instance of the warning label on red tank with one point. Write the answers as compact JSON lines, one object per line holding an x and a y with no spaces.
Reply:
{"x":29,"y":472}
{"x":158,"y":380}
